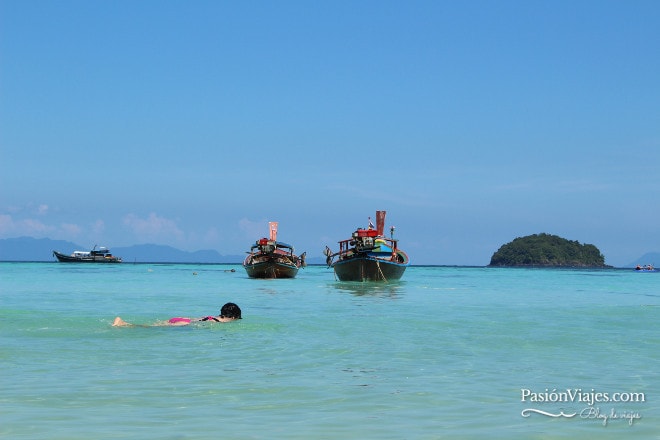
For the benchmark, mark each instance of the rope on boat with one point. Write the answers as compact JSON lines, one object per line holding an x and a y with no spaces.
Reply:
{"x":379,"y":270}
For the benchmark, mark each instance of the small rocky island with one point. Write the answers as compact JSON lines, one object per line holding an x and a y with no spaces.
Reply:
{"x":545,"y":250}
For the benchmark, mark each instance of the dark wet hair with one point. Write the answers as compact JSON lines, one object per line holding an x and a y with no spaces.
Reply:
{"x":230,"y":310}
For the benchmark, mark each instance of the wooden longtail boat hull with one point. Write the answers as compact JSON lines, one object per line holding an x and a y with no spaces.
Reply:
{"x":368,"y":255}
{"x":63,"y":258}
{"x":271,"y":269}
{"x":364,"y":268}
{"x":269,"y":258}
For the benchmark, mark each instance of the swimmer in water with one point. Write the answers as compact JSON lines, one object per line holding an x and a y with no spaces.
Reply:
{"x":229,"y":312}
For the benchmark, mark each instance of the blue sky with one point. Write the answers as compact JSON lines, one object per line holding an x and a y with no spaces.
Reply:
{"x":194,"y":123}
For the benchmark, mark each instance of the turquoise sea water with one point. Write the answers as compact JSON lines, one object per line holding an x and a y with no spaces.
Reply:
{"x":444,"y":353}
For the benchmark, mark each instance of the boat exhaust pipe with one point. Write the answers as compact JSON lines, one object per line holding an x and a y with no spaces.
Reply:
{"x":272,"y":227}
{"x":380,"y":222}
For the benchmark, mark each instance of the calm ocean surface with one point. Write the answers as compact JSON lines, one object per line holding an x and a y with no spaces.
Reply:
{"x":444,"y":353}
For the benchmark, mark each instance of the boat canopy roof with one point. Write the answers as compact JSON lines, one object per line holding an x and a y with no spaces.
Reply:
{"x":278,"y":244}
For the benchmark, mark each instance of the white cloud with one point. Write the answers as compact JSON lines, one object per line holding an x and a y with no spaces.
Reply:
{"x":253,"y":230}
{"x":70,"y":229}
{"x":98,"y":227}
{"x":30,"y":227}
{"x":153,"y":227}
{"x":34,"y":227}
{"x":6,"y":223}
{"x":211,"y":236}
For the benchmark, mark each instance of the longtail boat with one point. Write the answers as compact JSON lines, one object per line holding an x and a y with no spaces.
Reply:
{"x":269,"y":258}
{"x":368,"y":255}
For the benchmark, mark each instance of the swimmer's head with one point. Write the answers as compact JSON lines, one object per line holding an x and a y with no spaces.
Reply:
{"x":231,"y":311}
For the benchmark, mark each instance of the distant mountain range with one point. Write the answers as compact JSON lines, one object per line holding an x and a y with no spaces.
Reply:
{"x":41,"y":249}
{"x":652,"y":258}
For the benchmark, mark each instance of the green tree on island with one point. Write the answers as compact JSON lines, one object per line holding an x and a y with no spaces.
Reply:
{"x":547,"y":251}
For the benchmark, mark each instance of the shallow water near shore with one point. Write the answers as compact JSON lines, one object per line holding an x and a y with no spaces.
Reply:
{"x":447,"y":352}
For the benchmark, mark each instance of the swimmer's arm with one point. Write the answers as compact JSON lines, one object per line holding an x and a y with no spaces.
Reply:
{"x":209,"y":318}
